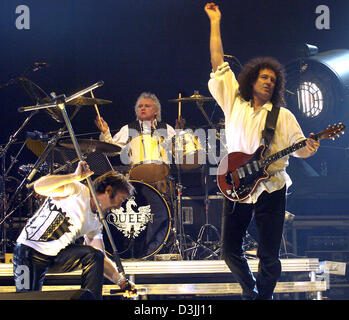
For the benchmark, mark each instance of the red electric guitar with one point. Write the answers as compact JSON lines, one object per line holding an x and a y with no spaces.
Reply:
{"x":239,"y":173}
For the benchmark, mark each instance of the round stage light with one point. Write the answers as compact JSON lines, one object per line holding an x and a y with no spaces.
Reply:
{"x":318,"y":86}
{"x":310,"y":99}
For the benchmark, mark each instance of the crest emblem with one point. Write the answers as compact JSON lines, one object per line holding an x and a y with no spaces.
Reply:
{"x":130,"y":222}
{"x":49,"y":223}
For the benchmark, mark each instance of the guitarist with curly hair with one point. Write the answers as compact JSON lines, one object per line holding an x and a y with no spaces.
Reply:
{"x":246,"y":102}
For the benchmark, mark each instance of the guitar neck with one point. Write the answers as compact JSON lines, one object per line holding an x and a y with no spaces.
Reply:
{"x":285,"y":152}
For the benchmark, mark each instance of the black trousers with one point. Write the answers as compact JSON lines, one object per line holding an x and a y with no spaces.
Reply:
{"x":31,"y":266}
{"x":269,"y":214}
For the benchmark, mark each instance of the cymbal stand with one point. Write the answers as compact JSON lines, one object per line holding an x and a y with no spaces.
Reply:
{"x":61,"y":168}
{"x":179,"y":188}
{"x":181,"y":243}
{"x":175,"y":244}
{"x":206,"y":226}
{"x":200,"y":106}
{"x":3,"y":196}
{"x":48,"y":149}
{"x":60,"y":102}
{"x":50,"y":146}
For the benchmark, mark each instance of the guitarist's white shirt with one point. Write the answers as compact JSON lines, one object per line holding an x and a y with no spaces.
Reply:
{"x":244,"y":126}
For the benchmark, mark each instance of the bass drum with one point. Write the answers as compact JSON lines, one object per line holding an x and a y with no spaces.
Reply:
{"x":141,"y":226}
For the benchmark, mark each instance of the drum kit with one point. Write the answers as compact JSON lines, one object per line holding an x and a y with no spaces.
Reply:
{"x":144,"y":224}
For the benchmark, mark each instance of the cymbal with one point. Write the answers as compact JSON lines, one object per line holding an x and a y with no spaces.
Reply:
{"x":81,"y":101}
{"x":193,"y":98}
{"x":85,"y":101}
{"x":36,"y":146}
{"x":56,"y":113}
{"x":90,"y":145}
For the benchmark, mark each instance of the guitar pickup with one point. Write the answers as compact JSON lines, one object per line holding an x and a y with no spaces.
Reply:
{"x":241,"y":172}
{"x":248,"y":167}
{"x":255,"y":164}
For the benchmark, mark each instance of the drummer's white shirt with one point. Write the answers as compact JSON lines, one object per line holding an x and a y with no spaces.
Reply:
{"x":60,"y":221}
{"x":244,"y":126}
{"x":122,"y":136}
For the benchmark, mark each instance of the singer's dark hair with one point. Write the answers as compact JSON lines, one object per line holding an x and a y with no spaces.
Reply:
{"x":249,"y":75}
{"x":117,"y":181}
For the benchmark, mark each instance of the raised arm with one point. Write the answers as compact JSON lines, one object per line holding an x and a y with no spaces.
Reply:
{"x":53,"y":185}
{"x":216,"y":47}
{"x":101,"y":125}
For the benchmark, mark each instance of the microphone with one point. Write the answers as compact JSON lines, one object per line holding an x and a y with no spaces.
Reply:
{"x":38,"y":65}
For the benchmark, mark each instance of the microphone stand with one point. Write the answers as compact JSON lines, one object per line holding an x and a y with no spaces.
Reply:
{"x":60,"y":102}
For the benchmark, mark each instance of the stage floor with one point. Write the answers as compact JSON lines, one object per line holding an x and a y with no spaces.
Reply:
{"x":192,"y":277}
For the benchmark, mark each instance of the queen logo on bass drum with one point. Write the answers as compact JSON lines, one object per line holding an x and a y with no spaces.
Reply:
{"x":141,"y":227}
{"x":130,"y":222}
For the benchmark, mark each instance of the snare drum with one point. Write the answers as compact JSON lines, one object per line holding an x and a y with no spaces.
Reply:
{"x":187,"y":150}
{"x":149,"y":158}
{"x":141,"y":226}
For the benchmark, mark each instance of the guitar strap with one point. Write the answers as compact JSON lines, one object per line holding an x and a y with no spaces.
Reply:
{"x":270,"y":125}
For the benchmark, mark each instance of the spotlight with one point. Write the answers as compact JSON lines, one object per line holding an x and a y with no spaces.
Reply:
{"x":310,"y":99}
{"x":319,"y":83}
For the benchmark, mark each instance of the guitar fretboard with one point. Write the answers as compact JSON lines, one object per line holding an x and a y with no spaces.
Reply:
{"x":284,"y":152}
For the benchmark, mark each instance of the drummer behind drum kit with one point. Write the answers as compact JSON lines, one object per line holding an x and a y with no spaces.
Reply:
{"x":143,"y":225}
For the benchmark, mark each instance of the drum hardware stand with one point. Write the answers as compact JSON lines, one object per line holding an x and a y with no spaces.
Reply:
{"x":179,"y":187}
{"x":6,"y":204}
{"x":25,"y":182}
{"x":67,"y":165}
{"x":60,"y":102}
{"x":181,"y":243}
{"x":207,"y":201}
{"x":28,"y":86}
{"x":207,"y":226}
{"x":175,"y":247}
{"x":200,"y":104}
{"x":180,"y":237}
{"x":50,"y":146}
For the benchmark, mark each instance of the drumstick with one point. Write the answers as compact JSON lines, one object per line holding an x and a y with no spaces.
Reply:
{"x":179,"y":106}
{"x":99,"y":116}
